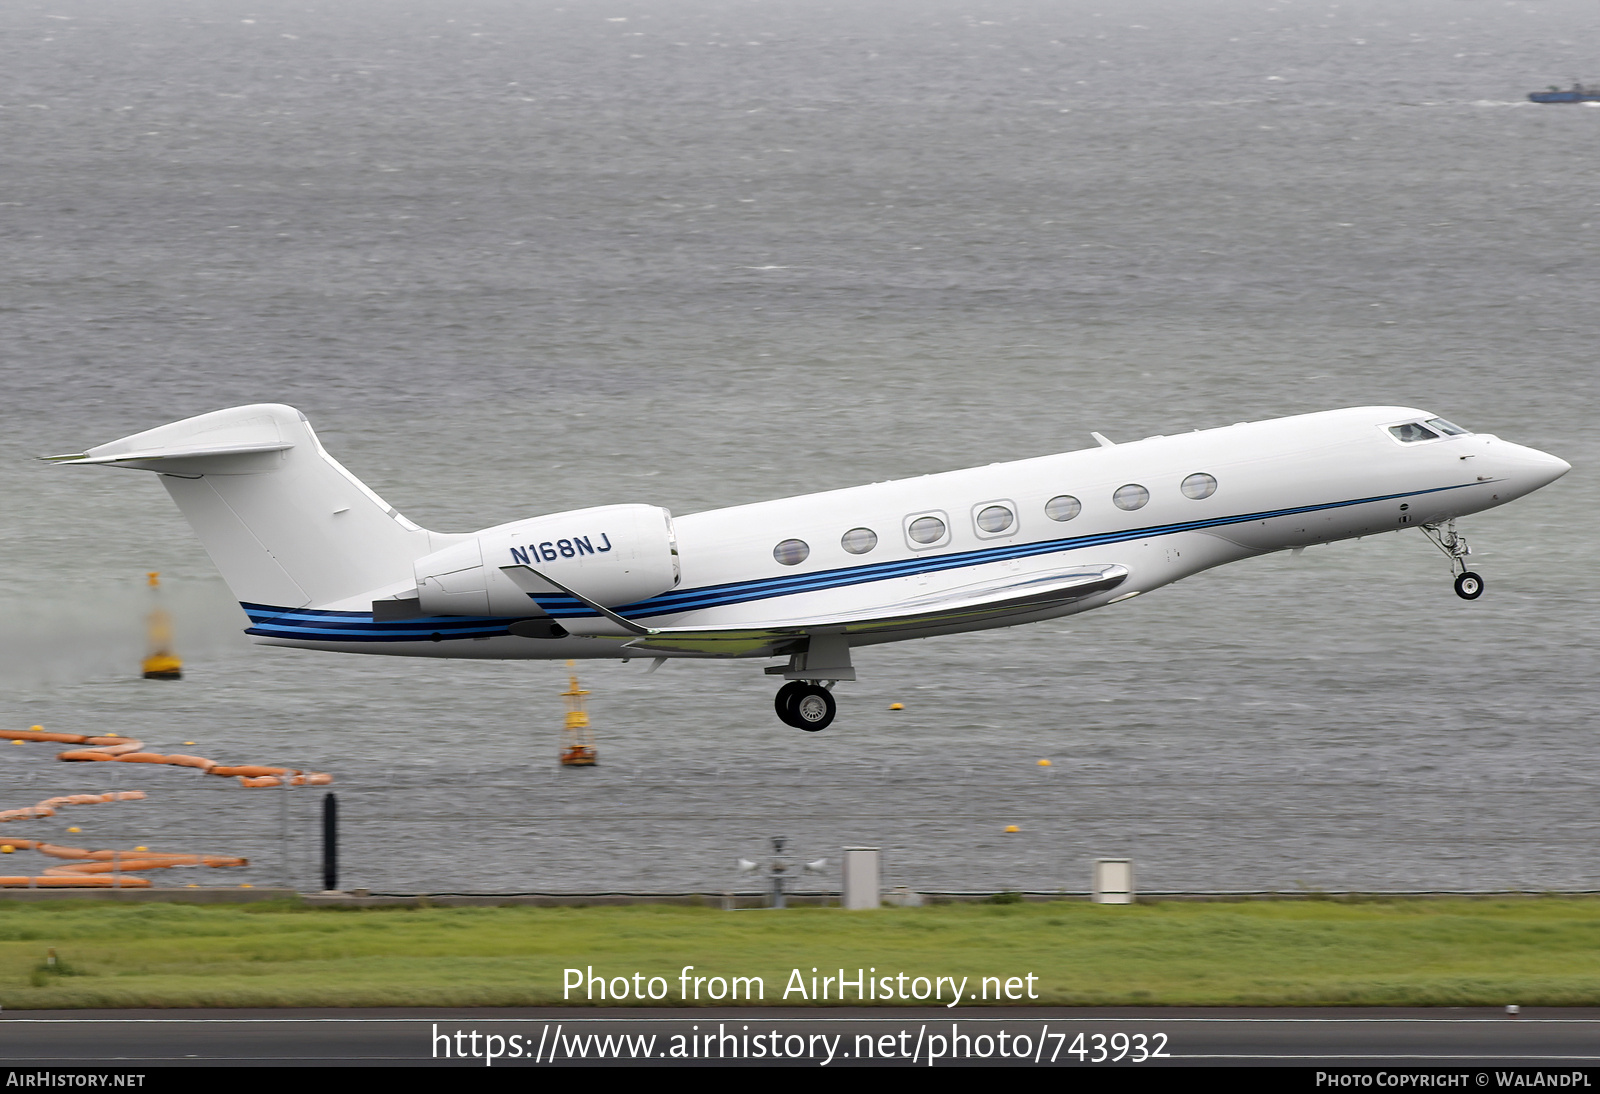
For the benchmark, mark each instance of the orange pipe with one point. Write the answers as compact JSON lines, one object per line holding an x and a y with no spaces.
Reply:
{"x":88,"y":868}
{"x":48,"y":882}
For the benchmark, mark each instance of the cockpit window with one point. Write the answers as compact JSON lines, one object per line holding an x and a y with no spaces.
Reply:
{"x":1413,"y":431}
{"x":1449,"y":429}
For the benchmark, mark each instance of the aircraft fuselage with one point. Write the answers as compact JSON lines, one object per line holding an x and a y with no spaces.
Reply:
{"x":1163,"y":508}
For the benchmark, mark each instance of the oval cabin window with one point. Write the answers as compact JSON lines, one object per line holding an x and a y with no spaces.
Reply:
{"x":1199,"y":485}
{"x":1064,"y":507}
{"x":926,"y":530}
{"x":1130,"y":497}
{"x":858,"y":541}
{"x":995,"y":518}
{"x":791,"y":552}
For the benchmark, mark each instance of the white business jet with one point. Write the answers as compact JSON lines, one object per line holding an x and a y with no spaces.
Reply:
{"x":321,"y":562}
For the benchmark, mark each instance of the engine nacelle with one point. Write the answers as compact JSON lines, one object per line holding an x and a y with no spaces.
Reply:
{"x":612,"y":554}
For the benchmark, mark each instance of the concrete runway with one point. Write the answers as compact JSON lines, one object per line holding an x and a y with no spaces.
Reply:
{"x":1467,"y":1039}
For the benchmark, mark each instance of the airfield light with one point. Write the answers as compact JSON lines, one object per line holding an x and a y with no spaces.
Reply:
{"x":780,"y":870}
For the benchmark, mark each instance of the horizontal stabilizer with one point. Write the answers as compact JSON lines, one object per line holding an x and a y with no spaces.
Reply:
{"x":175,"y":452}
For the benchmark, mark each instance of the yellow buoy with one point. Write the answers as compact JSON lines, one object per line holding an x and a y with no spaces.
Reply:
{"x":896,"y":706}
{"x":1012,"y":828}
{"x":577,"y":738}
{"x":6,"y":848}
{"x":37,"y":729}
{"x":141,"y":848}
{"x":160,"y":663}
{"x":16,"y":742}
{"x":1044,"y":763}
{"x":74,"y":829}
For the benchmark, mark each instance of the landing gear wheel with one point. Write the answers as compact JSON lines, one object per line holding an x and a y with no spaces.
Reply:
{"x":1469,"y":586}
{"x":812,"y":708}
{"x":784,"y":701}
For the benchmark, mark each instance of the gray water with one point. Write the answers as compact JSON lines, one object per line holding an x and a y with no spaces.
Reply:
{"x":515,"y":258}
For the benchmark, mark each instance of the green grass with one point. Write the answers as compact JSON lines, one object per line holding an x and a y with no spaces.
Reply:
{"x":1492,"y":951}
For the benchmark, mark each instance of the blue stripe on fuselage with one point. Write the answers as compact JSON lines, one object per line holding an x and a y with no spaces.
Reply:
{"x":317,"y":625}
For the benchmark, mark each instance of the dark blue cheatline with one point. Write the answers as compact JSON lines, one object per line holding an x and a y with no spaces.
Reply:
{"x":325,"y":626}
{"x":313,"y":624}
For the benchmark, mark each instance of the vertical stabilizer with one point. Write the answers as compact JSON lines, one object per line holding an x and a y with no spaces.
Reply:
{"x":284,"y":522}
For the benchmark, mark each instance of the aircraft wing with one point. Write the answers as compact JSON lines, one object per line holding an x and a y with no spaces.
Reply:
{"x":991,"y":600}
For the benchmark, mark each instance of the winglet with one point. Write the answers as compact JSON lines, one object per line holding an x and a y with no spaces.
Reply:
{"x":1102,"y":440}
{"x":626,"y":624}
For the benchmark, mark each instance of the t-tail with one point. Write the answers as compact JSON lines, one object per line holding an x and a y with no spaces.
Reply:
{"x":286,"y":525}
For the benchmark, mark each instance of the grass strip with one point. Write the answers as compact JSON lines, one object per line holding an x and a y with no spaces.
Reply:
{"x":1541,"y":951}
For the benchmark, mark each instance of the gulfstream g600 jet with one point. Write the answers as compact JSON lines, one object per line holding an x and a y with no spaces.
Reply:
{"x":319,"y":561}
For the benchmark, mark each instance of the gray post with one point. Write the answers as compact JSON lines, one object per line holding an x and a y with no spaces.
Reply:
{"x":779,"y":872}
{"x":283,"y":816}
{"x":861,"y":888}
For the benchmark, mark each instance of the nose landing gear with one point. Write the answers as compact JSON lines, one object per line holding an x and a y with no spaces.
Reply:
{"x":1469,"y":586}
{"x":805,"y":705}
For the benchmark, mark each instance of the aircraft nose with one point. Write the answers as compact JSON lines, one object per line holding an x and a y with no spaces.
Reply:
{"x":1529,"y":469}
{"x":1558,"y":466}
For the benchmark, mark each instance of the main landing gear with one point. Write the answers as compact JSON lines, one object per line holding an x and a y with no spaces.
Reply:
{"x":1469,"y":586}
{"x":806,"y":701}
{"x":805,"y":705}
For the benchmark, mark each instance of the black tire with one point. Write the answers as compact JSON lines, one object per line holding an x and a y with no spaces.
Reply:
{"x":783,"y":702}
{"x":1469,"y":586}
{"x":813,"y":708}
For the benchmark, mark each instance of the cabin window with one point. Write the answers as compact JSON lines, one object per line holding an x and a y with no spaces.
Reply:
{"x":1130,"y":497}
{"x":1412,"y":432}
{"x":926,"y":530}
{"x":1449,"y":429}
{"x":791,"y":552}
{"x":1199,"y":485}
{"x":995,"y":518}
{"x":858,"y":541}
{"x":1064,"y":507}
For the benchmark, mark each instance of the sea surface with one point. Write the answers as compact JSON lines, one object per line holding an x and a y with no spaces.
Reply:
{"x":519,"y":257}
